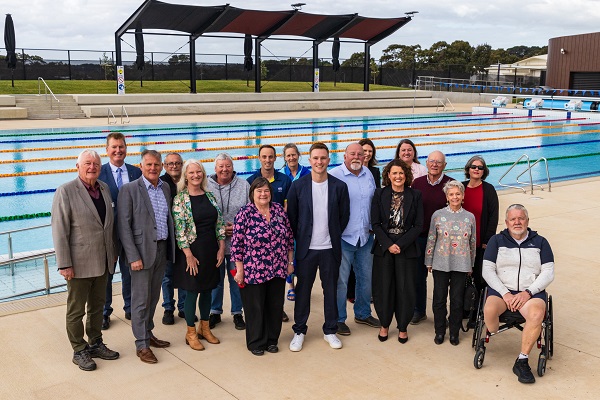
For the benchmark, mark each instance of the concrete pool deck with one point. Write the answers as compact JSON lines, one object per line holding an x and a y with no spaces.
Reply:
{"x":37,"y":356}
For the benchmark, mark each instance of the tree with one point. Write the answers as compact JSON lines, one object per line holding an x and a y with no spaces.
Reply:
{"x":401,"y":56}
{"x":179,"y":59}
{"x":108,"y":67}
{"x":481,"y":57}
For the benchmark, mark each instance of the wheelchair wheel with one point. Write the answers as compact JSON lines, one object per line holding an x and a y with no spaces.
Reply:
{"x":479,"y":320}
{"x":541,"y":368}
{"x":479,"y":357}
{"x":550,"y":343}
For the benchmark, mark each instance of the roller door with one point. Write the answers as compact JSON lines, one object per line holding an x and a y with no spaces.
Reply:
{"x":585,"y":80}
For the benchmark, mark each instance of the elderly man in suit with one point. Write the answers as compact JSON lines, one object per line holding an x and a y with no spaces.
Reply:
{"x":83,"y":234}
{"x":319,"y":210}
{"x":146,"y":233}
{"x":115,"y":173}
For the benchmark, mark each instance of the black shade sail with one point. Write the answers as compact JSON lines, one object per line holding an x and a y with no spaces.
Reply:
{"x":335,"y":54}
{"x":139,"y":48}
{"x":248,"y":52}
{"x":198,"y":20}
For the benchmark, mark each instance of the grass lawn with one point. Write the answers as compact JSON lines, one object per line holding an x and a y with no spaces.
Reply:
{"x":220,"y":86}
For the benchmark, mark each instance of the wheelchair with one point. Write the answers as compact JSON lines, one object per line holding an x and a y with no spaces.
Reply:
{"x":509,"y":320}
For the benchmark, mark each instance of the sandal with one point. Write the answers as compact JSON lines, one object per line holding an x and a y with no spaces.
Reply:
{"x":291,"y":295}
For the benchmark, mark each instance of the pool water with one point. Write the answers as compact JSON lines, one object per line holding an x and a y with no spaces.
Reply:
{"x":34,"y":162}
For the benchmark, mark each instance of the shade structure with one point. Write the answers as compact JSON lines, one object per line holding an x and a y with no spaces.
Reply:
{"x":139,"y":48}
{"x":10,"y":42}
{"x":248,"y":53}
{"x":335,"y":54}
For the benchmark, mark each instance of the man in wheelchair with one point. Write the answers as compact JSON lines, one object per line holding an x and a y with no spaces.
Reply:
{"x":518,"y":265}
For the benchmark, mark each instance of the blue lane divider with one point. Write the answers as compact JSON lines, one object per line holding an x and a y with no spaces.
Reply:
{"x":248,"y":130}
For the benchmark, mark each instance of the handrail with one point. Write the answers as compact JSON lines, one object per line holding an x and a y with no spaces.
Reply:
{"x":46,"y":90}
{"x":528,"y":169}
{"x":442,"y":103}
{"x":11,"y":258}
{"x":510,"y":169}
{"x":123,"y":112}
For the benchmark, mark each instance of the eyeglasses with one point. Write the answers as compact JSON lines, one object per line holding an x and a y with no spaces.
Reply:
{"x":174,"y":164}
{"x":479,"y":167}
{"x":435,"y":162}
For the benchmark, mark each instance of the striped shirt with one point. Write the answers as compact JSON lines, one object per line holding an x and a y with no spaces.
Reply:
{"x":161,"y":209}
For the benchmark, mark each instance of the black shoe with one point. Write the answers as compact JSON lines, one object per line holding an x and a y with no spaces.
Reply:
{"x":284,"y":317}
{"x":343,"y":329}
{"x":168,"y":318}
{"x":257,"y":352}
{"x":417,"y":318}
{"x":105,"y":322}
{"x":454,"y":340}
{"x":99,"y":350}
{"x":272,"y":348}
{"x":128,"y":316}
{"x":239,"y":323}
{"x":84,"y":360}
{"x":371,"y":321}
{"x":402,"y":340}
{"x":382,"y":338}
{"x":213,"y":320}
{"x":523,"y":371}
{"x":438,"y":339}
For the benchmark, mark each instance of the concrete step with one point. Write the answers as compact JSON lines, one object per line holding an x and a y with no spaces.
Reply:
{"x":45,"y":107}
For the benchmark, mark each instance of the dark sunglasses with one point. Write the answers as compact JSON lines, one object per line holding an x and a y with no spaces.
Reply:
{"x":479,"y":167}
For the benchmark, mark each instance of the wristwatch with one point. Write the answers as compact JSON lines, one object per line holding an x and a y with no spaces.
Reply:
{"x":529,"y":292}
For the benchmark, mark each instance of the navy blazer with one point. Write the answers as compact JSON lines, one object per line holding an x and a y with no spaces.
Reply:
{"x":107,"y":177}
{"x":300,"y":213}
{"x":413,"y":221}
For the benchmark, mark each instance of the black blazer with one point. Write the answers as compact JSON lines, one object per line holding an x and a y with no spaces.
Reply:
{"x":107,"y":177}
{"x":489,"y":212}
{"x":300,"y":213}
{"x":376,"y":175}
{"x":413,"y":221}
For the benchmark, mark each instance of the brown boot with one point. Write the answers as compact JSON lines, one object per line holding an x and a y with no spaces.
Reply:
{"x":205,"y":333}
{"x":192,"y":339}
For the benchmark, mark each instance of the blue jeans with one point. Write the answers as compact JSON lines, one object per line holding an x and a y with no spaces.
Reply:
{"x":234,"y":290}
{"x":169,"y":293}
{"x":361,"y":259}
{"x":125,"y":287}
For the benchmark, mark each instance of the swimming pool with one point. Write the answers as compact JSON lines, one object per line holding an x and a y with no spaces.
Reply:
{"x":34,"y":162}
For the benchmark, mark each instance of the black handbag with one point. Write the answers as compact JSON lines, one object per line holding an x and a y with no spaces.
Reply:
{"x":470,"y":300}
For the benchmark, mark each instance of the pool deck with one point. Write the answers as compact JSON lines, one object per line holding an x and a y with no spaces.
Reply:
{"x":37,"y":356}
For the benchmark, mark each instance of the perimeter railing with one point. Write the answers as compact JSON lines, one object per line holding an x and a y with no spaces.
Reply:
{"x":11,"y":259}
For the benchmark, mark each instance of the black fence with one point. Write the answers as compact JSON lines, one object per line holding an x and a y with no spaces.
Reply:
{"x":79,"y":65}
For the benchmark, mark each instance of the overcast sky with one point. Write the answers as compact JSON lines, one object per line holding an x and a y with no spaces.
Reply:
{"x":90,"y":24}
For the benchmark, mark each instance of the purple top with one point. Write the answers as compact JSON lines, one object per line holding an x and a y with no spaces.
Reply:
{"x":261,"y":245}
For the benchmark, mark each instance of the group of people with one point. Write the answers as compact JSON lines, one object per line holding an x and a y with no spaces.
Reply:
{"x":187,"y":230}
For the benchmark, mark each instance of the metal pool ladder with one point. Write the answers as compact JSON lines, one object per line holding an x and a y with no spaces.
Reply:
{"x":114,"y":119}
{"x":530,"y":165}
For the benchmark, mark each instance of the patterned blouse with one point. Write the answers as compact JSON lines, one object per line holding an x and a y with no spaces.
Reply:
{"x":451,"y":241}
{"x":262,"y":246}
{"x":185,"y":228}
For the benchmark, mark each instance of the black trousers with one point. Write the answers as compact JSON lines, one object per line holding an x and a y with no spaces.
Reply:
{"x":306,"y":271}
{"x":477,"y":278}
{"x":263,"y":306}
{"x":456,"y":282}
{"x":394,"y":288}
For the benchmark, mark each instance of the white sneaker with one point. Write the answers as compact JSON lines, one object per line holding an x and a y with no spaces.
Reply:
{"x":297,"y":342}
{"x":333,"y":341}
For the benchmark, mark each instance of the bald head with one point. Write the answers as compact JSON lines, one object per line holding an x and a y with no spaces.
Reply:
{"x":354,"y":158}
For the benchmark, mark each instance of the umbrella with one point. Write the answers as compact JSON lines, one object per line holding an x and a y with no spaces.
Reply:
{"x":248,"y":57}
{"x":10,"y":44}
{"x":335,"y":55}
{"x":139,"y":50}
{"x":248,"y":53}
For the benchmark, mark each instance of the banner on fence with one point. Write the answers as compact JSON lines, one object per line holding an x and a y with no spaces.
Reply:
{"x":120,"y":79}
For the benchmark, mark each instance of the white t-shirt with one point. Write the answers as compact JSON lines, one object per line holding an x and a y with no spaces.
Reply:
{"x":320,"y":239}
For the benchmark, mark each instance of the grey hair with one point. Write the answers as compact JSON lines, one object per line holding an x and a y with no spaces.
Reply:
{"x":519,"y":207}
{"x":182,"y":184}
{"x":453,"y":184}
{"x":174,"y":154}
{"x":151,"y":153}
{"x":223,"y":156}
{"x":87,"y":152}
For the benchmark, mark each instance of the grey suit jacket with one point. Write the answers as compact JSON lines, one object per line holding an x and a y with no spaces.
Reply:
{"x":80,"y":239}
{"x":137,"y":224}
